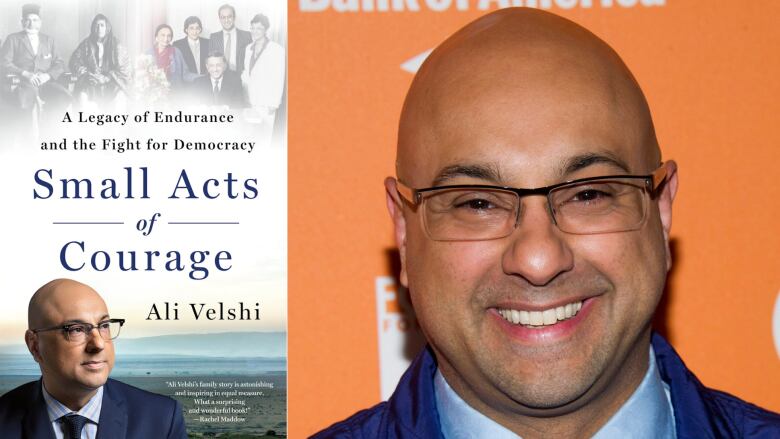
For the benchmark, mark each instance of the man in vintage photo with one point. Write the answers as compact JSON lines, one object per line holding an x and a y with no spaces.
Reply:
{"x":32,"y":56}
{"x":71,"y":336}
{"x":532,"y":210}
{"x":221,"y":87}
{"x":231,"y":40}
{"x":193,"y":47}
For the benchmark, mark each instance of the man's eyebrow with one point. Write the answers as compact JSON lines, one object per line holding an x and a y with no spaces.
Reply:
{"x":574,"y":164}
{"x":491,"y":173}
{"x":79,"y":321}
{"x":483,"y":172}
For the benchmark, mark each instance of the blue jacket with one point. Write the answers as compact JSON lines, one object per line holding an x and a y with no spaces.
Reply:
{"x":127,"y":413}
{"x":699,"y":412}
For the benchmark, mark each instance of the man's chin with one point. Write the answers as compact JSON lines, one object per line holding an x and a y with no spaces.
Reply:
{"x":544,"y":389}
{"x":94,"y":377}
{"x":545,"y":403}
{"x":548,"y":398}
{"x":93,"y":382}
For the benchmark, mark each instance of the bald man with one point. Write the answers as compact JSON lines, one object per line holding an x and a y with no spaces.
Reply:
{"x":532,"y":212}
{"x":70,"y":336}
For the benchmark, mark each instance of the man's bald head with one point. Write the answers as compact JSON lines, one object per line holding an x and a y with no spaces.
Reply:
{"x":47,"y":303}
{"x":509,"y":68}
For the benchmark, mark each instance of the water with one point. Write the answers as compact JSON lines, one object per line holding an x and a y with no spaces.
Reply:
{"x":161,"y":365}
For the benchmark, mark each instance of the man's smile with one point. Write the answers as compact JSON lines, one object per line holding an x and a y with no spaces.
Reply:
{"x":546,"y":324}
{"x":95,"y":364}
{"x":540,"y":319}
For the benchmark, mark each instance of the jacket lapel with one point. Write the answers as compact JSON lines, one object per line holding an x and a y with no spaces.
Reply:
{"x":218,"y":42}
{"x":205,"y":48}
{"x":27,"y":45}
{"x":113,"y":415}
{"x":189,"y":58}
{"x":36,"y":422}
{"x":43,"y":49}
{"x":693,"y":419}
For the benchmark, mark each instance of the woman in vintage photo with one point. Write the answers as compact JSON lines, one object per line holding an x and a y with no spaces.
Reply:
{"x":169,"y":58}
{"x":102,"y":66}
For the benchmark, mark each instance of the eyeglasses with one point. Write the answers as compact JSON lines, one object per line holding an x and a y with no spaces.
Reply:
{"x":604,"y":204}
{"x":79,"y":332}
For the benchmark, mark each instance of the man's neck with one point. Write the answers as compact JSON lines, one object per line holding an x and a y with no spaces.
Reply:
{"x":584,"y":416}
{"x":70,"y":399}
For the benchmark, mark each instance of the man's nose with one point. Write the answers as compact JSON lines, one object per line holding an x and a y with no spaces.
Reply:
{"x":538,"y":251}
{"x":95,"y":342}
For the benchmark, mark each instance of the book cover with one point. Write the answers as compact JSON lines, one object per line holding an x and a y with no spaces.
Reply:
{"x":157,"y":178}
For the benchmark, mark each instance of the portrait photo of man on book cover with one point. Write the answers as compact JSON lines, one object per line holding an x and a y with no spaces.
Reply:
{"x":70,"y":335}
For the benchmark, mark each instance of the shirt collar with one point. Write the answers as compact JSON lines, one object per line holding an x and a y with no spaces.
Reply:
{"x":648,"y":413}
{"x":461,"y":421}
{"x":91,"y":409}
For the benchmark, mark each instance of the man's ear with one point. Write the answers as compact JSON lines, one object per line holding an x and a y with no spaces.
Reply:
{"x":665,"y":199}
{"x":395,"y":207}
{"x":31,"y":339}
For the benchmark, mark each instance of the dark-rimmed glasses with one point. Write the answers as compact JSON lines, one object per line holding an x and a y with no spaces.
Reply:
{"x":79,"y":332}
{"x":468,"y":212}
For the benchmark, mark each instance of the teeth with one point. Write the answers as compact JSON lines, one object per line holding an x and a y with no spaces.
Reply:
{"x":525,"y":317}
{"x":541,"y":318}
{"x":549,"y":316}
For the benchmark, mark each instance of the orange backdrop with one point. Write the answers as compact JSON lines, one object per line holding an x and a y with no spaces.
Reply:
{"x":710,"y":71}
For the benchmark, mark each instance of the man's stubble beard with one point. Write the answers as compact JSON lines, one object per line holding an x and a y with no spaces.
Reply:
{"x":552,"y":387}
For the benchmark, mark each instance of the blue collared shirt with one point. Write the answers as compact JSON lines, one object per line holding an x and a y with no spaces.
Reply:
{"x":91,"y":410}
{"x":647,"y":414}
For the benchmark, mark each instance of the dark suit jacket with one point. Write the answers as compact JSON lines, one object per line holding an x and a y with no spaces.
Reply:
{"x":231,"y":93}
{"x":127,"y":413}
{"x":17,"y":56}
{"x":244,"y":38}
{"x":184,"y":47}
